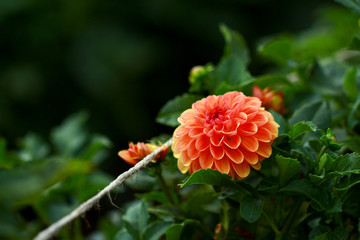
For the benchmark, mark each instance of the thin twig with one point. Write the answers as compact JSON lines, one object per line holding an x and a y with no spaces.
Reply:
{"x":85,"y":206}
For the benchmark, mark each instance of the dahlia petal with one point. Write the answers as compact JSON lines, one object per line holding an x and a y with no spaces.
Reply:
{"x":223,"y":165}
{"x":242,"y":170}
{"x":211,"y":102}
{"x":182,"y":167}
{"x":217,"y":152}
{"x":250,"y":157}
{"x":256,"y":166}
{"x":247,"y":129}
{"x":202,"y":143}
{"x":232,"y":141}
{"x":184,"y":158}
{"x":195,"y":166}
{"x":230,"y":127}
{"x":199,"y":107}
{"x":260,"y":119}
{"x":183,"y":142}
{"x":234,"y":154}
{"x":216,"y":139}
{"x":264,"y":149}
{"x":195,"y":132}
{"x":238,"y":100}
{"x":192,"y":152}
{"x":124,"y":154}
{"x":180,"y":131}
{"x":272,"y":126}
{"x":186,"y":116}
{"x":263,"y":135}
{"x":206,"y":160}
{"x":250,"y":143}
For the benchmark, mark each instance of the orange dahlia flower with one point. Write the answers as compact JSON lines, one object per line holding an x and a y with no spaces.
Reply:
{"x":137,"y":152}
{"x":270,"y":99}
{"x":229,"y":133}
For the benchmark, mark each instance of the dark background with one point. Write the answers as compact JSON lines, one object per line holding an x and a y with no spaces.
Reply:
{"x":119,"y":60}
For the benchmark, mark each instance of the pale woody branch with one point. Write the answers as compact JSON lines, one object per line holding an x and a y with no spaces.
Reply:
{"x":85,"y":206}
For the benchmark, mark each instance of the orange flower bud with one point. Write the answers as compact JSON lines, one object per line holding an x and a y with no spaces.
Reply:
{"x":270,"y":99}
{"x":137,"y":152}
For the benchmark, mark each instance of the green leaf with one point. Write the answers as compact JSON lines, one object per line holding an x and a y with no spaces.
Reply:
{"x":123,"y":235}
{"x":352,"y":4}
{"x":288,"y":168}
{"x":320,"y":197}
{"x":346,"y":164}
{"x":350,"y":85}
{"x":34,"y":148}
{"x":279,"y":119}
{"x":175,"y":231}
{"x":352,"y":143}
{"x":251,"y":208}
{"x":317,"y":112}
{"x":354,"y":44}
{"x":70,"y":136}
{"x":271,"y":80}
{"x":354,"y":116}
{"x":235,"y":45}
{"x":301,"y":128}
{"x":97,"y":144}
{"x":135,"y":219}
{"x":279,"y":50}
{"x":155,"y":230}
{"x":170,"y":112}
{"x":3,"y":155}
{"x":216,"y":178}
{"x":231,"y":74}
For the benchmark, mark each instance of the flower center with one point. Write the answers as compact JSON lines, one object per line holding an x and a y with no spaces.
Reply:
{"x":214,"y":118}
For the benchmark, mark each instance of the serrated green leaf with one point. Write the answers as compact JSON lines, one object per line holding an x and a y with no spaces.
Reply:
{"x":352,"y":143}
{"x":301,"y":128}
{"x":326,"y":162}
{"x":174,"y":231}
{"x":319,"y":196}
{"x":251,"y":208}
{"x":350,"y":85}
{"x":347,"y":182}
{"x":235,"y":45}
{"x":346,"y":164}
{"x":352,"y":4}
{"x":155,"y":230}
{"x":170,"y":112}
{"x":288,"y":168}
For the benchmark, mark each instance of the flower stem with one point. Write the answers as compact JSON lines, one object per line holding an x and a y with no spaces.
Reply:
{"x":163,"y":185}
{"x":272,"y":225}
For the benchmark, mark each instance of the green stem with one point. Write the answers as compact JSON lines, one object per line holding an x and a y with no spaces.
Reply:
{"x":272,"y":225}
{"x":291,"y":217}
{"x":226,"y":224}
{"x":163,"y":185}
{"x":323,"y":149}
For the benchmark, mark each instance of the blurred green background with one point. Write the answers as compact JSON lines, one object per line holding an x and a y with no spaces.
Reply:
{"x":119,"y":60}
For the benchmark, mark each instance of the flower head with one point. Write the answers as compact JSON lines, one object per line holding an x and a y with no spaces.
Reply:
{"x":270,"y":99}
{"x":229,"y":133}
{"x":138,"y":151}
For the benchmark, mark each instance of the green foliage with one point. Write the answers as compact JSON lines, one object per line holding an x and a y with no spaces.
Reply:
{"x":307,"y":188}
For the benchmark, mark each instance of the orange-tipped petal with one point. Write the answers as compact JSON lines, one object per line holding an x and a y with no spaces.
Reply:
{"x":250,"y":143}
{"x":234,"y":154}
{"x":206,"y":160}
{"x":202,"y":143}
{"x":250,"y":157}
{"x":223,"y":165}
{"x":264,"y":149}
{"x":217,"y":152}
{"x":232,"y":141}
{"x":192,"y":152}
{"x":242,"y":170}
